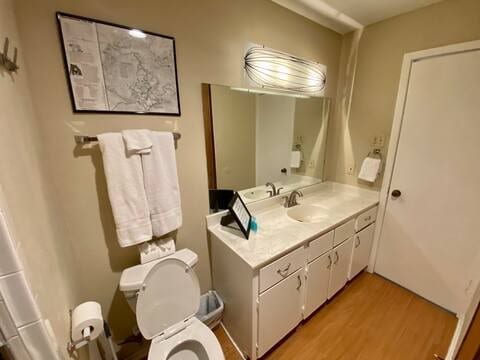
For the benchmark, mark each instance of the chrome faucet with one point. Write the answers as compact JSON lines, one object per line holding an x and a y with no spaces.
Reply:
{"x":291,"y":200}
{"x":274,"y":190}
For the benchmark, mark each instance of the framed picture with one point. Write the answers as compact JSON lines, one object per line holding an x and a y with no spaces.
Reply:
{"x":116,"y":69}
{"x":241,"y":215}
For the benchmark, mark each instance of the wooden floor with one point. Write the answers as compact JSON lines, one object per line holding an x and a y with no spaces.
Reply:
{"x":371,"y":319}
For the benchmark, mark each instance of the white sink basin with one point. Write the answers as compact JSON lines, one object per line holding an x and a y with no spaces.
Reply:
{"x":256,"y":194}
{"x":307,"y":213}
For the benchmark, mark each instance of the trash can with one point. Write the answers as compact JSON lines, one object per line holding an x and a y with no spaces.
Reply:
{"x":211,"y":309}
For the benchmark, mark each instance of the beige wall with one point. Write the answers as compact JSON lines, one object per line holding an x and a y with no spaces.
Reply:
{"x":233,"y":115}
{"x":210,"y":38}
{"x":381,"y":51}
{"x":27,"y":194}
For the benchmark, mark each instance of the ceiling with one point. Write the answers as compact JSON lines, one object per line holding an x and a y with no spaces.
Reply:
{"x":347,"y":15}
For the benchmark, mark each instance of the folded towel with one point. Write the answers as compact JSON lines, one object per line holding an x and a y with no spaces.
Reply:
{"x":370,"y":169}
{"x":126,"y":190}
{"x":161,"y":184}
{"x":137,"y":141}
{"x":295,"y":159}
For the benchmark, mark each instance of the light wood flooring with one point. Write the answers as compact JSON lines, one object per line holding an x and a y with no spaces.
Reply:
{"x":371,"y":319}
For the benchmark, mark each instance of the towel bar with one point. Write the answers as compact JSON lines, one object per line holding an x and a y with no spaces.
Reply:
{"x":85,"y":139}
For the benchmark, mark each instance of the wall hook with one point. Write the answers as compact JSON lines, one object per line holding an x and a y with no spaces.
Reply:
{"x":9,"y":64}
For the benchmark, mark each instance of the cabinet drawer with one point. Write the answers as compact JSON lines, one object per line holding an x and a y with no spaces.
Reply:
{"x":366,"y":218}
{"x":320,"y":246}
{"x":281,"y":268}
{"x":343,"y":232}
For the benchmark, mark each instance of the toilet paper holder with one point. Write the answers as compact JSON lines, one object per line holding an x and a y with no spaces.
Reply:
{"x":73,"y":345}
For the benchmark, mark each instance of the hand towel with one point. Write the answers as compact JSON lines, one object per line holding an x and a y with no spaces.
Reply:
{"x":126,"y":190}
{"x":161,"y":184}
{"x":370,"y":169}
{"x":137,"y":141}
{"x":295,"y":159}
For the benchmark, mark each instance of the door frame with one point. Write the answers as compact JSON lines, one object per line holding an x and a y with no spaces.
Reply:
{"x":408,"y":60}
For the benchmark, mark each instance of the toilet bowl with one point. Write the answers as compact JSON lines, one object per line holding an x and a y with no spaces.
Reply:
{"x":166,"y":296}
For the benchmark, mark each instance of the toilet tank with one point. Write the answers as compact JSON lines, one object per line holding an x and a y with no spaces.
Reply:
{"x":132,"y":278}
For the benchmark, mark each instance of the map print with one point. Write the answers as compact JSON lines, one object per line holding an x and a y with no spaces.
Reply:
{"x":115,"y":69}
{"x":139,"y":73}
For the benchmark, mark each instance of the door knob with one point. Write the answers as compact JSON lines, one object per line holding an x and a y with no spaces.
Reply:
{"x":396,"y":193}
{"x":283,"y":170}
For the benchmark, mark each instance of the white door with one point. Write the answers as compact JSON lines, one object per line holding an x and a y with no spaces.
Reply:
{"x":279,"y":311}
{"x":318,"y":276}
{"x":341,"y":257}
{"x":430,"y":231}
{"x":362,"y":245}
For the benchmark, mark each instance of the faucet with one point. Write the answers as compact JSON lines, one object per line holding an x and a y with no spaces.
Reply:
{"x":291,"y":200}
{"x":274,"y":190}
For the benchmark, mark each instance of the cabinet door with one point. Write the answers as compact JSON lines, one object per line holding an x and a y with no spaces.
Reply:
{"x":341,"y":256}
{"x":279,"y":311}
{"x":318,"y":276}
{"x":362,"y":245}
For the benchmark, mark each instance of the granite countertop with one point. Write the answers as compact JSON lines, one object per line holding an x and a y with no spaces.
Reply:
{"x":278,"y":234}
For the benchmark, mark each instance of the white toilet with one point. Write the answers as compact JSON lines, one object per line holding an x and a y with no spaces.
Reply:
{"x":165,"y":296}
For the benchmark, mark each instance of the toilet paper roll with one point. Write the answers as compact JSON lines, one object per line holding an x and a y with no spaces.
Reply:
{"x":87,"y":316}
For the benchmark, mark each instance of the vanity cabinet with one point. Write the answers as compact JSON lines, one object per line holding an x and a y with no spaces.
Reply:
{"x":362,"y":245}
{"x":317,"y":280}
{"x":341,"y":258}
{"x":264,"y":303}
{"x":279,"y":311}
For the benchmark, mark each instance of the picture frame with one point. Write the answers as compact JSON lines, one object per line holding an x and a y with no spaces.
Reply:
{"x":116,"y":69}
{"x":241,"y":215}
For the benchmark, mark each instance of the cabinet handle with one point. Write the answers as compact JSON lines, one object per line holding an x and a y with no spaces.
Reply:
{"x":368,"y":218}
{"x":284,"y":272}
{"x":329,"y":262}
{"x":336,"y":258}
{"x":299,"y":282}
{"x":357,"y":243}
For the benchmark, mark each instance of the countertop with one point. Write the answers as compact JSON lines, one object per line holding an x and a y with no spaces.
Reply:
{"x":278,"y":234}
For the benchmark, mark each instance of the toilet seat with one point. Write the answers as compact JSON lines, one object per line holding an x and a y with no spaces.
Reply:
{"x":195,"y":342}
{"x":168,"y":300}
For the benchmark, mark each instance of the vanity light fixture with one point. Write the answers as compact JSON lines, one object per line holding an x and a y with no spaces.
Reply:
{"x":137,"y":34}
{"x":268,"y":92}
{"x":272,"y":69}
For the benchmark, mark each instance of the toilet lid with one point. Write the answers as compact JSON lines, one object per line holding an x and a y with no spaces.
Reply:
{"x":169,"y":295}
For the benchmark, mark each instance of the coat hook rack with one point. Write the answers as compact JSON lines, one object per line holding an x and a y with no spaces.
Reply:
{"x":9,"y":64}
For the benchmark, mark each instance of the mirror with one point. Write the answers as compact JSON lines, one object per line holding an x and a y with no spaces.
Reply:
{"x":257,"y":138}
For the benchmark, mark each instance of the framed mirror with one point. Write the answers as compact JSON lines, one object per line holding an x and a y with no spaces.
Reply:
{"x":262,"y":144}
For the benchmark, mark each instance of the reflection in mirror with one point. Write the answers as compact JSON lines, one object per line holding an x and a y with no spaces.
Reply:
{"x":255,"y":139}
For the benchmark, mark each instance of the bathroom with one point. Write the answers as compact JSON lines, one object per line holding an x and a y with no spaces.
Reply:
{"x":57,"y":219}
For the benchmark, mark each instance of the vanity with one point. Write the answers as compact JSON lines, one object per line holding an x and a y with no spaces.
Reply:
{"x":299,"y":258}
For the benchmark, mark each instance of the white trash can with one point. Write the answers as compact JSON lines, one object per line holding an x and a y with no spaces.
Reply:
{"x":211,"y":309}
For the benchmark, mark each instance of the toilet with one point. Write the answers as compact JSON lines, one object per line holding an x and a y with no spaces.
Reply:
{"x":165,"y":296}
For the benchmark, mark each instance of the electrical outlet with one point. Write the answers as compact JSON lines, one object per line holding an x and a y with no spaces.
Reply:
{"x":381,"y":141}
{"x":299,"y":139}
{"x":378,"y":141}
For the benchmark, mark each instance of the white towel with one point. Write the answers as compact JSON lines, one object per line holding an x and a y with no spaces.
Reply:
{"x":161,"y":184}
{"x":126,"y":191}
{"x":137,"y":141}
{"x":295,"y":159}
{"x":370,"y":169}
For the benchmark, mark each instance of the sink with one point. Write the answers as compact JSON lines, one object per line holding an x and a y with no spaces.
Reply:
{"x":255,"y":194}
{"x":307,"y":213}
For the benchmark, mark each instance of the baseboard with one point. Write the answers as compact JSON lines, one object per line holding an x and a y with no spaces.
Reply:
{"x":232,"y":341}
